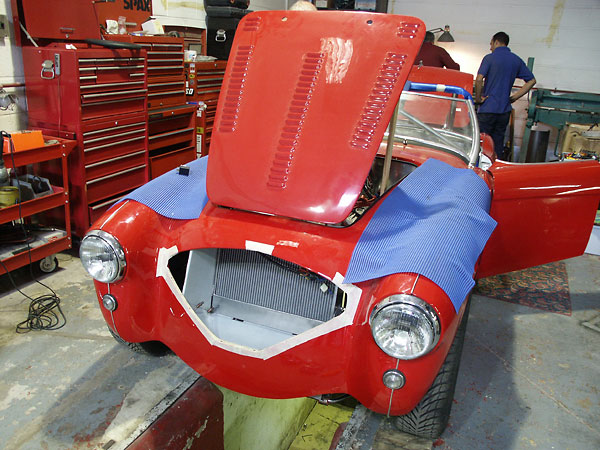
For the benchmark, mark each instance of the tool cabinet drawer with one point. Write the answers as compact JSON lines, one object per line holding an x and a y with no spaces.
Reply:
{"x":109,"y":185}
{"x":114,"y":165}
{"x":114,"y":105}
{"x":181,"y":137}
{"x":100,"y":71}
{"x":103,"y":140}
{"x":163,"y":163}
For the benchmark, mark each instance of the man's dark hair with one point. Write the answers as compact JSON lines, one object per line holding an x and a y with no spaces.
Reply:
{"x":501,"y":37}
{"x":429,"y":36}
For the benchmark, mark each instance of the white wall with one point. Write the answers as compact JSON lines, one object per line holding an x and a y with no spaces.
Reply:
{"x":11,"y":71}
{"x":562,"y":35}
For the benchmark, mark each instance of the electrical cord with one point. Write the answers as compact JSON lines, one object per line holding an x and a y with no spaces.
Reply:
{"x":45,"y":312}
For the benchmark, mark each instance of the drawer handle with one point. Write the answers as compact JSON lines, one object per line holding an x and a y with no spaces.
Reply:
{"x":113,"y":144}
{"x":137,"y":74}
{"x":104,"y":130}
{"x":163,"y":53}
{"x":108,"y":177}
{"x":211,"y":73}
{"x":89,"y":77}
{"x":108,"y":202}
{"x":120,"y":100}
{"x":112,"y":160}
{"x":87,"y":69}
{"x":166,"y":93}
{"x":152,"y":60}
{"x":103,"y":138}
{"x":208,"y":92}
{"x":200,"y":86}
{"x":158,"y":136}
{"x":101,"y":60}
{"x":199,"y":80}
{"x":106,"y":94}
{"x":168,"y":45}
{"x":166,"y":84}
{"x":127,"y":83}
{"x":165,"y":67}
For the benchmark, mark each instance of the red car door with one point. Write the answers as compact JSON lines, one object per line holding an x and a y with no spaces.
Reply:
{"x":545,"y":212}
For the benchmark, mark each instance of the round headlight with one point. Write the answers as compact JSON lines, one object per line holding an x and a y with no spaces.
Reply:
{"x":102,"y":256}
{"x":405,"y":327}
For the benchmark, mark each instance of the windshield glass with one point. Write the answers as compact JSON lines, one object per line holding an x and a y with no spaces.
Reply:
{"x":437,"y":121}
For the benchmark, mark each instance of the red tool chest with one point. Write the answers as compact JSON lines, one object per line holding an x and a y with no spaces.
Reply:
{"x":171,"y":130}
{"x":204,"y":80}
{"x":126,"y":108}
{"x":97,"y":97}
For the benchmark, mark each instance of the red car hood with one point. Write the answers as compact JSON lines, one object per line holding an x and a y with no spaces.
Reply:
{"x":304,"y":106}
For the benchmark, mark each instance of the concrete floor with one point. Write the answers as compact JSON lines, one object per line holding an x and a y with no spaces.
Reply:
{"x":528,"y":378}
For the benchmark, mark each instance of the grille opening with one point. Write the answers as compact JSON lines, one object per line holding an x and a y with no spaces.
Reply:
{"x":177,"y":265}
{"x":253,"y":299}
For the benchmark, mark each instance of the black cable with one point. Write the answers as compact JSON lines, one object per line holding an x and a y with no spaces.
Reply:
{"x":41,"y":314}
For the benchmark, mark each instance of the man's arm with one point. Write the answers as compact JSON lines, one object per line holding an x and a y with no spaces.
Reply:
{"x":522,"y":91}
{"x":448,"y":61}
{"x":478,"y":88}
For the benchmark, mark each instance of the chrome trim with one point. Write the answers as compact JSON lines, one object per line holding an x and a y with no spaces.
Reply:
{"x":116,"y":247}
{"x":426,"y":308}
{"x":109,"y":302}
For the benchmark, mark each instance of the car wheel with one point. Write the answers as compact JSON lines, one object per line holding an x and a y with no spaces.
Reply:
{"x":430,"y":416}
{"x":152,"y":348}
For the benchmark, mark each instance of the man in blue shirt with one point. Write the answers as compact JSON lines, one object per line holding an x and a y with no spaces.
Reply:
{"x":499,"y":69}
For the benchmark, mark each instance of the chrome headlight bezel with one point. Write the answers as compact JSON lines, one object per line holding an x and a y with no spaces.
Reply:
{"x":417,"y":308}
{"x":112,"y":246}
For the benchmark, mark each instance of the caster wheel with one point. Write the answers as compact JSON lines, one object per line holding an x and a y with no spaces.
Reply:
{"x":49,"y":264}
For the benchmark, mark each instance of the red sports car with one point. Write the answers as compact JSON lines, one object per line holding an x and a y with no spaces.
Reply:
{"x":312,"y":253}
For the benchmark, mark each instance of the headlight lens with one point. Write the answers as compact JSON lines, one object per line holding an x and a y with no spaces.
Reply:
{"x":405,"y":327}
{"x":102,"y":256}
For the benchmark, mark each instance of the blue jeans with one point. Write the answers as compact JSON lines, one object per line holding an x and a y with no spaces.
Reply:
{"x":495,"y":125}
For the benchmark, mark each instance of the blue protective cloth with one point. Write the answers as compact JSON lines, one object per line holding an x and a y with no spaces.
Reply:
{"x":500,"y":69}
{"x":435,"y":223}
{"x":173,"y":195}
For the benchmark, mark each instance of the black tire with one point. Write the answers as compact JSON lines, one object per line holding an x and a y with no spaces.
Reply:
{"x":152,"y":348}
{"x":430,"y":416}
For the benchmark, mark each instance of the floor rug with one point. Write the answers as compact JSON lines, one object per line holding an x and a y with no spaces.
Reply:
{"x":544,"y":287}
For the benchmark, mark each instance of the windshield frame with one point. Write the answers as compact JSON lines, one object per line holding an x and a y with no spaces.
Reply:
{"x":472,"y":157}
